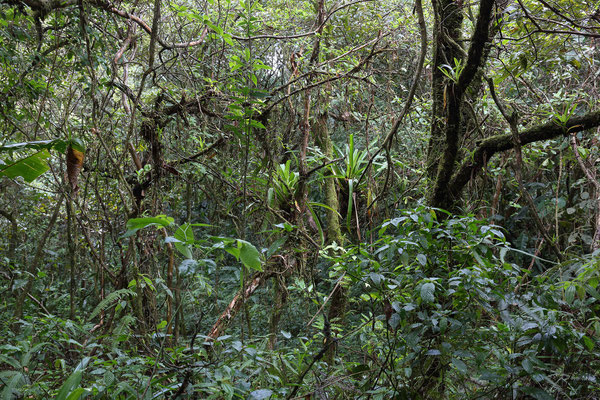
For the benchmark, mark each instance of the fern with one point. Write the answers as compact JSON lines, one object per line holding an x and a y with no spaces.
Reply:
{"x":123,"y":329}
{"x":11,"y":390}
{"x":113,"y":297}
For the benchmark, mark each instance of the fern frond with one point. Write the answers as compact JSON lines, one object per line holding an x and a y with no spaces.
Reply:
{"x":109,"y":300}
{"x":123,"y":329}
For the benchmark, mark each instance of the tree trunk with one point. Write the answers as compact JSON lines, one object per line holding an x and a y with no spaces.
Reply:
{"x":454,"y":70}
{"x":280,"y":297}
{"x":448,"y":19}
{"x":449,"y":91}
{"x":337,"y":308}
{"x":333,"y":229}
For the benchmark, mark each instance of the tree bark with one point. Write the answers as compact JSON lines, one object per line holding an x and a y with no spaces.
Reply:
{"x":280,"y":297}
{"x":333,"y":228}
{"x":337,"y":308}
{"x":447,"y":111}
{"x":236,"y":304}
{"x":499,"y":143}
{"x":448,"y":19}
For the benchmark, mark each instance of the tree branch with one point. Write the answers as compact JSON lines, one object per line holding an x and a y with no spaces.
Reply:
{"x":236,"y":303}
{"x":481,"y":36}
{"x":495,"y":144}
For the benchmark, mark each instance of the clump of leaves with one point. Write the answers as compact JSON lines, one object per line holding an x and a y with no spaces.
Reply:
{"x":457,"y":317}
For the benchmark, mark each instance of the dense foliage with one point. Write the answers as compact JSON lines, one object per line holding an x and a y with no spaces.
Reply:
{"x":215,"y":199}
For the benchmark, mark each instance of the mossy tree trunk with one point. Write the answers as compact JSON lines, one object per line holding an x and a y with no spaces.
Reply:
{"x":280,"y":298}
{"x":448,"y":19}
{"x":333,"y":228}
{"x":454,"y":70}
{"x":449,"y":91}
{"x":337,"y":308}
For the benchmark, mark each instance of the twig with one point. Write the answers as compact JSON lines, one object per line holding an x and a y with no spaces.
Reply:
{"x":411,"y":94}
{"x":337,"y":283}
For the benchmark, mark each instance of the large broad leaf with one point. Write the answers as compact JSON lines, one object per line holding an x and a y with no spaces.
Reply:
{"x":35,"y":165}
{"x":249,"y":255}
{"x":57,"y":144}
{"x":185,"y":235}
{"x":11,"y":387}
{"x":261,"y":394}
{"x":459,"y":365}
{"x":29,"y":168}
{"x":241,"y":250}
{"x":135,"y":224}
{"x":427,"y":292}
{"x":70,"y":390}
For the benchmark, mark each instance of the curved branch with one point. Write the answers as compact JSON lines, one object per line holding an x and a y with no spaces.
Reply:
{"x":481,"y":36}
{"x":236,"y":304}
{"x":499,"y":143}
{"x":441,"y":195}
{"x":336,"y":77}
{"x":331,"y":61}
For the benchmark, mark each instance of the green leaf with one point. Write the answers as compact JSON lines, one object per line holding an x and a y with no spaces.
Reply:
{"x":10,"y":390}
{"x":257,"y":124}
{"x":312,"y":203}
{"x":185,"y":235}
{"x":427,"y":292}
{"x":234,"y":251}
{"x":112,"y":299}
{"x":109,"y":378}
{"x":77,"y":144}
{"x":589,"y":343}
{"x":317,"y":223}
{"x":135,"y":224}
{"x":275,"y":246}
{"x":29,"y":168}
{"x":536,"y":393}
{"x":459,"y":365}
{"x":570,"y":293}
{"x":227,"y":38}
{"x":261,"y":394}
{"x":76,"y":394}
{"x":69,"y":386}
{"x":36,"y":145}
{"x":148,"y":282}
{"x":350,"y":203}
{"x":527,"y":366}
{"x":249,"y":255}
{"x":270,"y":197}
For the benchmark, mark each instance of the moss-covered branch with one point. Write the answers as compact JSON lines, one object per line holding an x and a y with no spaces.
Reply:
{"x":495,"y":144}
